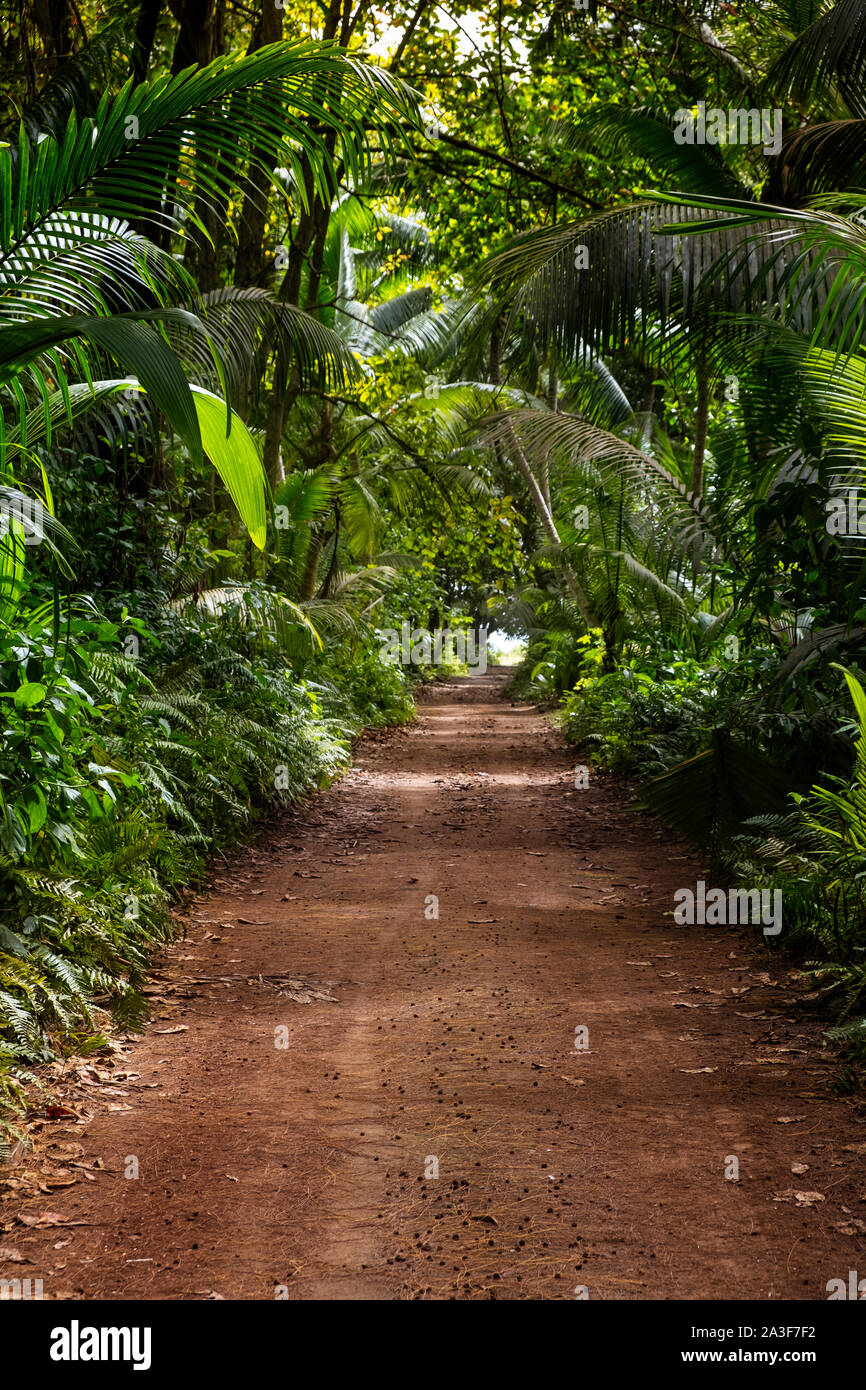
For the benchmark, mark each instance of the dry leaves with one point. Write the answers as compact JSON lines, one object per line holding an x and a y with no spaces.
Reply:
{"x":46,"y":1219}
{"x":803,"y":1199}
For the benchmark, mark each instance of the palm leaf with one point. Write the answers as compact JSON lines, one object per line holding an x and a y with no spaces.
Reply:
{"x":830,"y":52}
{"x":708,"y":797}
{"x":236,"y":458}
{"x":649,"y":132}
{"x":263,"y":109}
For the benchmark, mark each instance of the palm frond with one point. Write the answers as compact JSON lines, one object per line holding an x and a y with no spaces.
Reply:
{"x":650,"y":133}
{"x":830,"y":53}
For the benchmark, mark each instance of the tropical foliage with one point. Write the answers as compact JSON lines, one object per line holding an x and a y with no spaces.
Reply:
{"x":310,"y":327}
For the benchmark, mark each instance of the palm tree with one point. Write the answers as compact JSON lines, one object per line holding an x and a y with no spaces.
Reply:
{"x":83,"y":278}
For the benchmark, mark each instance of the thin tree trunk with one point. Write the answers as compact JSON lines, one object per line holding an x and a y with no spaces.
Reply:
{"x":311,"y":569}
{"x":250,"y":262}
{"x":702,"y":420}
{"x":194,"y":46}
{"x":573,"y":584}
{"x":54,"y":22}
{"x":407,"y":34}
{"x":145,"y":34}
{"x":544,"y":468}
{"x":199,"y":42}
{"x":274,"y":425}
{"x":312,"y":224}
{"x":542,"y":504}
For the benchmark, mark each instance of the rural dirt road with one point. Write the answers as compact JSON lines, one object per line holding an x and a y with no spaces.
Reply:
{"x":289,"y":1148}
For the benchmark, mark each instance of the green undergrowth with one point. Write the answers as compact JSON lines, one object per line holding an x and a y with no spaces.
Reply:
{"x":132,"y":754}
{"x":745,"y":790}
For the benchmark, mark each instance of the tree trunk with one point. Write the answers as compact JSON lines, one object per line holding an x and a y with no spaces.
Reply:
{"x":702,"y":420}
{"x":536,"y":492}
{"x":250,"y":262}
{"x":573,"y":584}
{"x":311,"y":569}
{"x":145,"y":34}
{"x":274,"y":425}
{"x":311,"y":223}
{"x":54,"y":22}
{"x":197,"y":43}
{"x":196,"y":38}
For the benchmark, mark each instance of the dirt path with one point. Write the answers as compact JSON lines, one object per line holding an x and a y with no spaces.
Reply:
{"x":452,"y":1039}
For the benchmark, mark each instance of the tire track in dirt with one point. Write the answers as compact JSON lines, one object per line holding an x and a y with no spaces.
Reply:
{"x":301,"y":1169}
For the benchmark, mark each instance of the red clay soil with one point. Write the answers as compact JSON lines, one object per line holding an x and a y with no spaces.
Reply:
{"x":299,"y":1171}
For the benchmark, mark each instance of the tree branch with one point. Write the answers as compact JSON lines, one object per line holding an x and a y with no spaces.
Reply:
{"x":532,"y":174}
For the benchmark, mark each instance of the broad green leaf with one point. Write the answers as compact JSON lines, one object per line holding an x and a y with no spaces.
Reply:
{"x":32,"y":801}
{"x":10,"y":941}
{"x":29,"y":694}
{"x":136,"y":346}
{"x":141,"y":350}
{"x":858,"y":695}
{"x":236,"y":459}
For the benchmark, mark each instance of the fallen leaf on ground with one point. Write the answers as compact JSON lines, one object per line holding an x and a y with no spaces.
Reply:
{"x":57,"y":1181}
{"x":47,"y":1218}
